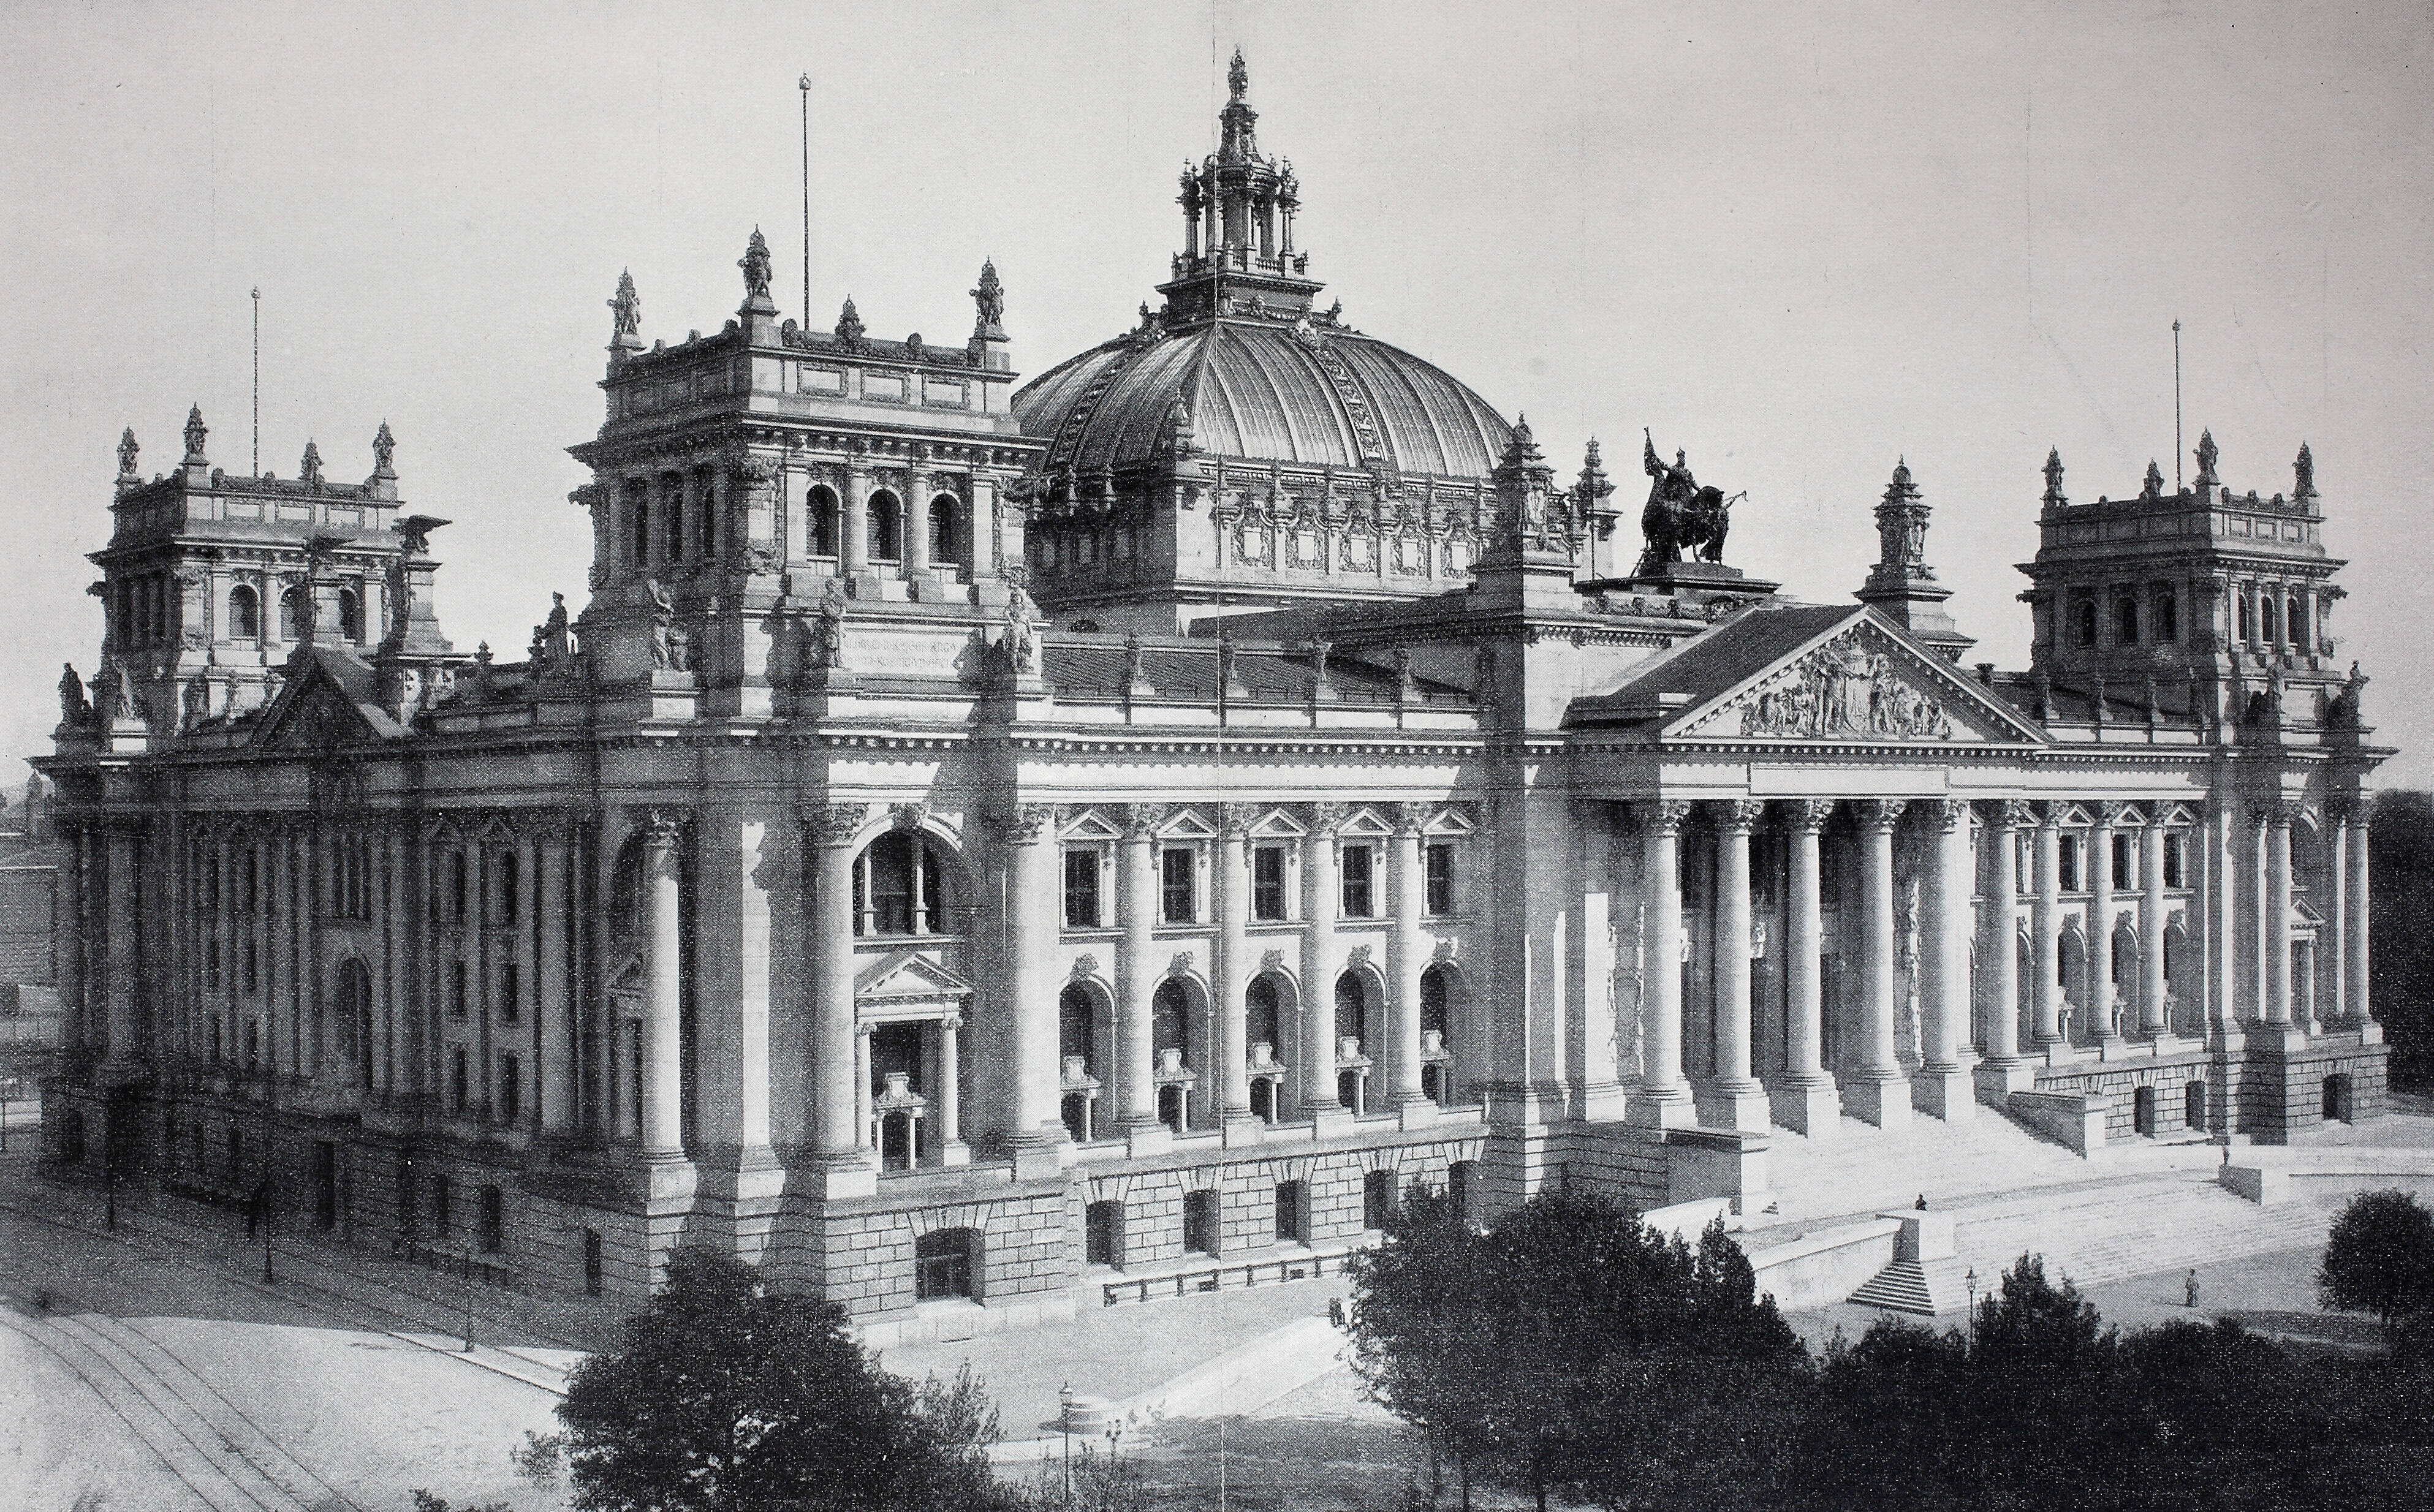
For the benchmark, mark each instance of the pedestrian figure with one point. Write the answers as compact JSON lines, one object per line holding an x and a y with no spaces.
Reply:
{"x":1335,"y":1310}
{"x":1921,"y":1202}
{"x":2193,"y":1287}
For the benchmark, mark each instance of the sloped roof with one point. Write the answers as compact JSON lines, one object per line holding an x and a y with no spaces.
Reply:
{"x":327,"y":681}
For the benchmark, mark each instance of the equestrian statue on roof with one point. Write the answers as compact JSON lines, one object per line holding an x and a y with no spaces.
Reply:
{"x":1680,"y":513}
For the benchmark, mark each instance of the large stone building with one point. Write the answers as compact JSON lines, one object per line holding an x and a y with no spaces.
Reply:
{"x":982,"y":848}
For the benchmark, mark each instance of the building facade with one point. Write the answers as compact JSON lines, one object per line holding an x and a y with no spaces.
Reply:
{"x":982,"y":850}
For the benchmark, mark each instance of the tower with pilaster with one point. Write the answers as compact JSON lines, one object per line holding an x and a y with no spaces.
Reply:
{"x":213,"y":581}
{"x":775,"y":510}
{"x":2219,"y":602}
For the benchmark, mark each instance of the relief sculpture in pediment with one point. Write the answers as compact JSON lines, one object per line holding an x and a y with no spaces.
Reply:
{"x":1845,"y":690}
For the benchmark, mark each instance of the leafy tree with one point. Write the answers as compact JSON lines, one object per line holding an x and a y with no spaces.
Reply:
{"x":2402,"y":921}
{"x":2380,"y":1260}
{"x":727,"y":1400}
{"x":1573,"y":1349}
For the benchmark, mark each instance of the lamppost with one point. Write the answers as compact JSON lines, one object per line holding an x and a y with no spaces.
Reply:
{"x":1971,"y":1280}
{"x":1065,"y":1427}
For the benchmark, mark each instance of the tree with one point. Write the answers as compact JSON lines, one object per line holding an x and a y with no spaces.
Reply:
{"x":2402,"y":921}
{"x":1573,"y":1349}
{"x":728,"y":1400}
{"x":2380,"y":1260}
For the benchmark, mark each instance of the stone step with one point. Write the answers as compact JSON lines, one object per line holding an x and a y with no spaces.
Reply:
{"x":1925,"y":1288}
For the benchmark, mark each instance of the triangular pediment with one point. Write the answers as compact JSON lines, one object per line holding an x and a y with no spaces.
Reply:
{"x":316,"y":711}
{"x":1861,"y":680}
{"x":908,"y":977}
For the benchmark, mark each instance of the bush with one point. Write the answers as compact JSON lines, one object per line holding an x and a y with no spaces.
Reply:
{"x":2380,"y":1260}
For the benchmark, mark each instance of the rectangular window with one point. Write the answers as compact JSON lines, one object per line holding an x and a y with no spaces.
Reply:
{"x":494,"y":1220}
{"x":1293,"y":1213}
{"x":1377,"y":1199}
{"x":2174,"y":861}
{"x":511,"y":1089}
{"x":1439,"y":861}
{"x":509,"y":873}
{"x":592,"y":1266}
{"x":2069,"y":849}
{"x":1103,"y":1225}
{"x":1081,"y":889}
{"x":455,"y":989}
{"x":1268,"y":882}
{"x":459,"y":1089}
{"x":253,"y":964}
{"x":1356,"y":881}
{"x":511,"y":991}
{"x":1200,"y":1221}
{"x":2124,"y":869}
{"x":1178,"y":893}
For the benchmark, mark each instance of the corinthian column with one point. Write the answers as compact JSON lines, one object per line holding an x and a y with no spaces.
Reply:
{"x":1234,"y":979}
{"x":1663,"y":1101}
{"x":125,"y":1027}
{"x":1877,"y":1090}
{"x":2046,"y":992}
{"x":2102,"y":1003}
{"x":2357,"y":1009}
{"x":1316,"y":1052}
{"x":1942,"y":1086}
{"x":853,"y":552}
{"x":2154,"y":1021}
{"x":1734,"y":1100}
{"x":662,"y":946}
{"x":2277,"y":915}
{"x":1028,"y":900}
{"x":836,"y":1133}
{"x":1137,"y":980}
{"x":2004,"y":1070}
{"x":1805,"y":1097}
{"x":1407,"y":958}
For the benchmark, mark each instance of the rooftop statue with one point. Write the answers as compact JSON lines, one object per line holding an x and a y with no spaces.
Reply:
{"x":1680,"y":513}
{"x":755,"y":264}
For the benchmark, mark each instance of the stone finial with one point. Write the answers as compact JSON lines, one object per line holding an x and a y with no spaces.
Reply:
{"x":310,"y":467}
{"x":2206,"y":453}
{"x":2054,"y":496}
{"x":1238,"y":77}
{"x":383,"y":453}
{"x":128,"y":453}
{"x":2153,"y":485}
{"x":1595,"y":487}
{"x":849,"y":325}
{"x":988,"y":304}
{"x":755,"y":264}
{"x":197,"y":434}
{"x":2306,"y":470}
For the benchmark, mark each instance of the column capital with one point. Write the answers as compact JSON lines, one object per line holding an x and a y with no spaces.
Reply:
{"x":2289,"y":812}
{"x":1944,"y":815}
{"x":836,"y":823}
{"x":1666,"y":815}
{"x":2016,"y":813}
{"x":1234,"y":819}
{"x":1809,"y":815}
{"x":1325,"y":818}
{"x":1741,"y":814}
{"x":1881,"y":813}
{"x":2108,"y":814}
{"x":908,"y":816}
{"x":1021,"y":823}
{"x":2350,"y":811}
{"x":1141,"y":819}
{"x":1410,"y":818}
{"x":2051,"y":812}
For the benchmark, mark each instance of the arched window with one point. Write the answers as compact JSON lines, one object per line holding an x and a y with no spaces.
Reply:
{"x":887,"y":527}
{"x":820,"y":508}
{"x":355,"y":1019}
{"x":641,"y":520}
{"x":244,"y":614}
{"x":900,"y":887}
{"x":944,"y":1262}
{"x":1265,"y":1024}
{"x":946,"y":515}
{"x":2087,"y":621}
{"x":672,"y":521}
{"x":1170,"y":1021}
{"x":2168,"y":616}
{"x":2270,"y":604}
{"x":2247,"y":618}
{"x":350,"y":614}
{"x":1077,"y":1021}
{"x":1432,"y":1004}
{"x":2297,"y":620}
{"x":292,"y":612}
{"x":2125,"y":621}
{"x":1352,"y":1008}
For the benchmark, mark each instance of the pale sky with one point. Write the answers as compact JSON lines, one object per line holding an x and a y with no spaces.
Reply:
{"x":1798,"y":241}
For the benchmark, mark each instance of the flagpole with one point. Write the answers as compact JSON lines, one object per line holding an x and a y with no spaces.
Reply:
{"x":2176,"y":406}
{"x":257,"y":379}
{"x":805,"y":85}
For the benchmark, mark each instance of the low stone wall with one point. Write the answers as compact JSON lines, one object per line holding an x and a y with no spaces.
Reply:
{"x":2078,"y":1119}
{"x":1820,"y":1269}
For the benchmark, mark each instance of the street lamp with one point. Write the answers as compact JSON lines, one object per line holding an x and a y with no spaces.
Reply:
{"x":1971,"y":1279}
{"x":1064,"y":1426}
